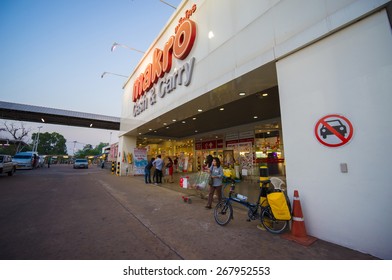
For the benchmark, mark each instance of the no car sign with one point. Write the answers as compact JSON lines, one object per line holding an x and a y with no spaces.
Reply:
{"x":334,"y":130}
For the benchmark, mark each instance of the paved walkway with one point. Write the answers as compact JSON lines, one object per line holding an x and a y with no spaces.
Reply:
{"x":247,"y":188}
{"x":239,"y":239}
{"x":61,"y":213}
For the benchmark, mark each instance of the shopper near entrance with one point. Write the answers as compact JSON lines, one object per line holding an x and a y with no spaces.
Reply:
{"x":169,"y":167}
{"x":216,"y":173}
{"x":175,"y":163}
{"x":208,"y":163}
{"x":147,"y":171}
{"x":158,"y":164}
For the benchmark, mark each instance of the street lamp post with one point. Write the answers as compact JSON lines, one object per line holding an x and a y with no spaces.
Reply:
{"x":105,"y":73}
{"x":74,"y":147}
{"x":170,"y":5}
{"x":115,"y":45}
{"x":35,"y":146}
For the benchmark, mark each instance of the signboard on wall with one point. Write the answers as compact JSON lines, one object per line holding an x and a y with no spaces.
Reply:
{"x":113,"y":152}
{"x":157,"y":80}
{"x":140,"y":161}
{"x":333,"y":130}
{"x":209,"y":144}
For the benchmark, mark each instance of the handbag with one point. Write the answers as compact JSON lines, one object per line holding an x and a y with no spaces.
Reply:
{"x":210,"y":181}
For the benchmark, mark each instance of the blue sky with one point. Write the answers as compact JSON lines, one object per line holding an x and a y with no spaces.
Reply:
{"x":53,"y":52}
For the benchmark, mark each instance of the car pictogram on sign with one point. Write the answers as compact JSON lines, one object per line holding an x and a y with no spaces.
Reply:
{"x":334,"y":130}
{"x":335,"y":124}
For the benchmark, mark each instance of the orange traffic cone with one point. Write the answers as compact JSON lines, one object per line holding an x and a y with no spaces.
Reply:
{"x":298,"y":230}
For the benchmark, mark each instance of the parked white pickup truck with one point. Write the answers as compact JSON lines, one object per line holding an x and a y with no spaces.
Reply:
{"x":7,"y":165}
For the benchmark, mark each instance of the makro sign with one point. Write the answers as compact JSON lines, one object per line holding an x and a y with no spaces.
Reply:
{"x":152,"y":82}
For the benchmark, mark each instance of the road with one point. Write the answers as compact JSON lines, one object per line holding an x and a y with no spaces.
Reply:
{"x":59,"y":213}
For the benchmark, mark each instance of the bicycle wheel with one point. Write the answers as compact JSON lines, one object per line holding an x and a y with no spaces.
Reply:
{"x":270,"y":223}
{"x":223,"y":213}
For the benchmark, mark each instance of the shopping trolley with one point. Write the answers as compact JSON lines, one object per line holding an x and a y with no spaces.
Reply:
{"x":196,"y":183}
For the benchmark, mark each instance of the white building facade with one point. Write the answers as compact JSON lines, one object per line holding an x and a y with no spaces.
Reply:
{"x":331,"y":63}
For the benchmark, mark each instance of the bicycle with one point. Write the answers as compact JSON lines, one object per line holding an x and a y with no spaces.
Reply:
{"x":223,"y":212}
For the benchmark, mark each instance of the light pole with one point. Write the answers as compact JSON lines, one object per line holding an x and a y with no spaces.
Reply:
{"x":35,"y":146}
{"x":115,"y":45}
{"x":105,"y":73}
{"x":74,"y":147}
{"x":164,"y":2}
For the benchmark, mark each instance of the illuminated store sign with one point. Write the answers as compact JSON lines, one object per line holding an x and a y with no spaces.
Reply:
{"x":152,"y":83}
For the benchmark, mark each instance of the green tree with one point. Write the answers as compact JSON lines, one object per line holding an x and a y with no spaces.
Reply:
{"x":88,"y":150}
{"x":99,"y":147}
{"x":51,"y":143}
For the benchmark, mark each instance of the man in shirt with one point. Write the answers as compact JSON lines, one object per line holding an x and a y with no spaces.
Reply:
{"x":158,"y":163}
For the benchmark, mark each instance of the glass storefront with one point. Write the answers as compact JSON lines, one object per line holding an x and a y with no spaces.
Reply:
{"x":180,"y":151}
{"x":269,"y":150}
{"x":242,"y":152}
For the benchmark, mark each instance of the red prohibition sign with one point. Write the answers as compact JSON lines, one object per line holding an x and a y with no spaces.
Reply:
{"x":334,"y":130}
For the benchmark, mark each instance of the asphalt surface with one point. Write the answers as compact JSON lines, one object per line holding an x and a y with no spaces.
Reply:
{"x":65,"y":214}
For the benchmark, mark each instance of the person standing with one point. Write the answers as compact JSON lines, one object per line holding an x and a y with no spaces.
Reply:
{"x":208,"y":163}
{"x":169,"y":167}
{"x":175,"y":163}
{"x":35,"y":161}
{"x":158,"y":164}
{"x":147,"y":171}
{"x":216,"y":173}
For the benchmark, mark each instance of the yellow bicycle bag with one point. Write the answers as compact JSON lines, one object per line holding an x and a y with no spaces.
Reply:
{"x":279,"y":207}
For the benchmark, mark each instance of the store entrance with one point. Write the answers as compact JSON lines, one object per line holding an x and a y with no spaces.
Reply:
{"x":243,"y":150}
{"x":181,"y":152}
{"x":251,"y":148}
{"x":269,"y":149}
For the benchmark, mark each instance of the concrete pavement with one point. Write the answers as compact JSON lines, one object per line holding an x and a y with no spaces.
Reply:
{"x":60,"y":213}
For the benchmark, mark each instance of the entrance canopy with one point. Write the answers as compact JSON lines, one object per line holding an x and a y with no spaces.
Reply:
{"x":22,"y":112}
{"x":249,"y":99}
